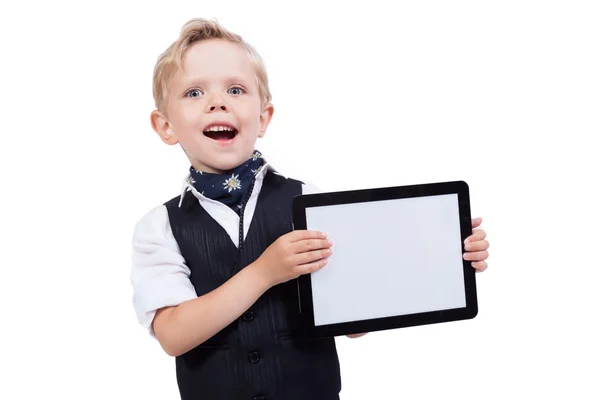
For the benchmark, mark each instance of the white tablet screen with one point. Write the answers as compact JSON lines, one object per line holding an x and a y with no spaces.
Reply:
{"x":390,"y":258}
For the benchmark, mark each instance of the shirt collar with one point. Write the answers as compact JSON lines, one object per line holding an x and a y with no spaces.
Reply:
{"x":187,"y":185}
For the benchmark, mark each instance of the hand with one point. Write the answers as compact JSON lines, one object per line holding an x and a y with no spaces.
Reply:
{"x":476,"y":247}
{"x":356,"y":335}
{"x":294,"y":254}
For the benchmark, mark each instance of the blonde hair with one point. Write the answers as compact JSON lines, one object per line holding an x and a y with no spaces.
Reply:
{"x":194,"y":31}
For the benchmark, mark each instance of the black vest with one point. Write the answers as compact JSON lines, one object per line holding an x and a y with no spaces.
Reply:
{"x":263,"y":354}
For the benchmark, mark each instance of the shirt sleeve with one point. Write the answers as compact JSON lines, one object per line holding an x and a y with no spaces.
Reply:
{"x":159,"y":275}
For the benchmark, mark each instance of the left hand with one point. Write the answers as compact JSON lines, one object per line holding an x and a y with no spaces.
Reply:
{"x":476,"y":247}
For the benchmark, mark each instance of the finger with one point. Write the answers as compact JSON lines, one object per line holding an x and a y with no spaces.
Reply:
{"x":477,"y":246}
{"x":478,"y":234}
{"x":303,"y":246}
{"x":356,"y":335}
{"x":311,"y":267}
{"x":479,"y":266}
{"x":311,"y":256}
{"x":476,"y":255}
{"x":296,"y":236}
{"x":475,"y":222}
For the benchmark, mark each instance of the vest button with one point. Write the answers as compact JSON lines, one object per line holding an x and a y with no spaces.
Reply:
{"x":253,"y":357}
{"x":248,"y":316}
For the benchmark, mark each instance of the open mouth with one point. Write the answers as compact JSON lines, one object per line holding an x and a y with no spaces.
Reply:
{"x":221,"y":132}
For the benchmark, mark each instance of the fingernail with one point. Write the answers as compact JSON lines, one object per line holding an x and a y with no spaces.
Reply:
{"x":467,"y":241}
{"x":323,"y":234}
{"x":467,"y":247}
{"x":330,"y":242}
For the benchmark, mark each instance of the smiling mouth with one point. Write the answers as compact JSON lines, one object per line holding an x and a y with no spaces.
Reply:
{"x":221,"y":133}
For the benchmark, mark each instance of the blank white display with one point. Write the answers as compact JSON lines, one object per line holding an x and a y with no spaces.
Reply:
{"x":390,"y":258}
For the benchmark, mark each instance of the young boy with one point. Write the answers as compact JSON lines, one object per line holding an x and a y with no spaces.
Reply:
{"x":213,"y":269}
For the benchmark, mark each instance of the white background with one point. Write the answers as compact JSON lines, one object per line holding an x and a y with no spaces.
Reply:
{"x":504,"y":95}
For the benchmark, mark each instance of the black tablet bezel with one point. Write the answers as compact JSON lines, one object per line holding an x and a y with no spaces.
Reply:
{"x":460,"y":188}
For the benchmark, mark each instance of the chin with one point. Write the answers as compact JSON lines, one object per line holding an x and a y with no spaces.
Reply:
{"x":226,"y":163}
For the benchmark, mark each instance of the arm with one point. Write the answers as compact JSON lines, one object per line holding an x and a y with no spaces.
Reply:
{"x":166,"y":302}
{"x":183,"y":327}
{"x":165,"y":299}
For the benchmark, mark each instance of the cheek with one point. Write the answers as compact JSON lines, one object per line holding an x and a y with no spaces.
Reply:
{"x":249,"y":112}
{"x":190,"y":114}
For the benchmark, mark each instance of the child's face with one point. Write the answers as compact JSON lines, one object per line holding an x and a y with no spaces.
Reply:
{"x":217,"y":87}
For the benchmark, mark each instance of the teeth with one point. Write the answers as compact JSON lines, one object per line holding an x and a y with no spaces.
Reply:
{"x":218,"y":128}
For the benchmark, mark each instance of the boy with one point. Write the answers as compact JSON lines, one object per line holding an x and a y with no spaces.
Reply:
{"x":213,"y":269}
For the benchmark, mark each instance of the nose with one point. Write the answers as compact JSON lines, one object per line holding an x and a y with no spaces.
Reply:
{"x":216,"y":104}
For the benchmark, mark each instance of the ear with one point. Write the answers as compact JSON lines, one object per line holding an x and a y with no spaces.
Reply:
{"x":265,"y":119}
{"x":161,"y":126}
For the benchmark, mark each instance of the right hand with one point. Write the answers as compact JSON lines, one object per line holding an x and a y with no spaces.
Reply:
{"x":294,"y":254}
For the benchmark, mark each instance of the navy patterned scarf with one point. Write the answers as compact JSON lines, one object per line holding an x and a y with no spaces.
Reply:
{"x":231,"y":188}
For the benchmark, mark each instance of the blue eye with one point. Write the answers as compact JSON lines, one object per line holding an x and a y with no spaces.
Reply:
{"x":194,"y":93}
{"x":239,"y":90}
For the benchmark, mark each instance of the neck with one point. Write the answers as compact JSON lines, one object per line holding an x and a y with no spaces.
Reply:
{"x":209,"y":170}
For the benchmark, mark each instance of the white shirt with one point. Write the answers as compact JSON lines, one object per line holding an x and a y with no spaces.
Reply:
{"x":159,"y":274}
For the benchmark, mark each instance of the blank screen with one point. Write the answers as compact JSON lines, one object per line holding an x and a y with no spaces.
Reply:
{"x":390,"y":258}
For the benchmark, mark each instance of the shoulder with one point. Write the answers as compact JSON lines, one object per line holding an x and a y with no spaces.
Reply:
{"x":307,"y":186}
{"x":174,"y":201}
{"x":152,"y":215}
{"x":310,"y":188}
{"x":153,"y":222}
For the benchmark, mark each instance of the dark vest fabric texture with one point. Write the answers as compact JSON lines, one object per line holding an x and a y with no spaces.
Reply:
{"x":264,"y":354}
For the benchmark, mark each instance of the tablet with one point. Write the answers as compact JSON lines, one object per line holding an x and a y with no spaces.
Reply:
{"x":397,"y":258}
